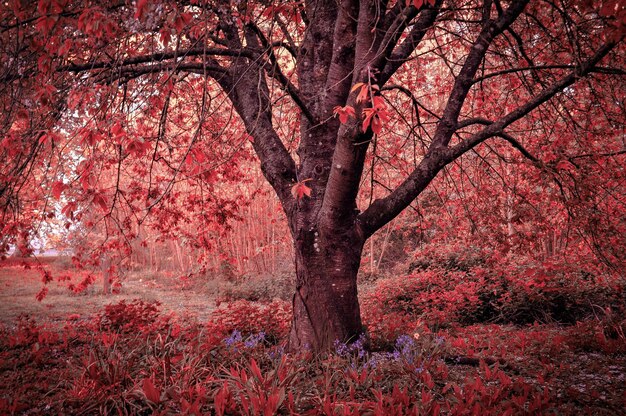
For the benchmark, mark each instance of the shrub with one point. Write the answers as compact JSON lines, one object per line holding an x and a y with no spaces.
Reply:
{"x":399,"y":305}
{"x":526,"y":292}
{"x":257,"y":288}
{"x":272,"y":318}
{"x":128,"y":317}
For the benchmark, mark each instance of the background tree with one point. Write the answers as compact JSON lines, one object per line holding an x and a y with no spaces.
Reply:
{"x":146,"y":93}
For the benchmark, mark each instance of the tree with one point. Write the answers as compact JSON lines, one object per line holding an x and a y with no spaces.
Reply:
{"x":318,"y":86}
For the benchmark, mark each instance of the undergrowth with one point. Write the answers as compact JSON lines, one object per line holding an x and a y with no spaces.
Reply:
{"x":132,"y":359}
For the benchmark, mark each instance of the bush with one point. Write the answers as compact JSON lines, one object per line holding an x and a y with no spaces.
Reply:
{"x":462,"y":257}
{"x":257,"y":288}
{"x":129,"y":317}
{"x":272,"y":318}
{"x":527,"y":292}
{"x":398,"y":306}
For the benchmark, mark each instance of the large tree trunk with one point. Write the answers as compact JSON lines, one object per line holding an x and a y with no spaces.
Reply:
{"x":325,"y":305}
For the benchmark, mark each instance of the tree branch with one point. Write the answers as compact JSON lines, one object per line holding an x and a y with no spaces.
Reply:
{"x":403,"y":52}
{"x":496,"y":128}
{"x":383,"y":210}
{"x":273,"y":69}
{"x":464,"y":80}
{"x":600,"y":69}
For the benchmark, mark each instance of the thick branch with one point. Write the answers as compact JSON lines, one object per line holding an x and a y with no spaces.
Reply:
{"x":512,"y":140}
{"x":403,"y":52}
{"x":498,"y":126}
{"x":600,"y":70}
{"x":136,"y":61}
{"x":342,"y":62}
{"x":464,"y":80}
{"x":156,"y":57}
{"x":385,"y":209}
{"x":314,"y":58}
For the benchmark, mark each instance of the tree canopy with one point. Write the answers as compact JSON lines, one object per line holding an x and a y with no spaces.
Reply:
{"x":117,"y":114}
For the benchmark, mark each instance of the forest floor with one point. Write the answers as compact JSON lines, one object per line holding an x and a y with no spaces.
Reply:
{"x":19,"y":287}
{"x":68,"y":354}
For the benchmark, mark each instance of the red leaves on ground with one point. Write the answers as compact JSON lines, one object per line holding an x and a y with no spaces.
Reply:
{"x":151,"y":392}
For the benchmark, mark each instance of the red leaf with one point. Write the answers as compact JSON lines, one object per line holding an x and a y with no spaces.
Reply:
{"x":375,"y":117}
{"x":141,"y":9}
{"x":369,"y":116}
{"x":357,"y":86}
{"x":42,"y":294}
{"x":57,"y":189}
{"x":117,"y":129}
{"x":69,"y":209}
{"x":299,"y":190}
{"x":255,"y":369}
{"x":166,"y":36}
{"x":362,"y":97}
{"x":101,"y":201}
{"x":151,"y":391}
{"x":344,"y":113}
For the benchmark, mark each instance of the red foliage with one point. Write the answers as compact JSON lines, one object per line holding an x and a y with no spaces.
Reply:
{"x":129,"y":317}
{"x":477,"y":288}
{"x":247,"y":317}
{"x":86,"y":281}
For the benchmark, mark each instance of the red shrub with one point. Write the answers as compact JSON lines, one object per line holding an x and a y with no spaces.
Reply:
{"x":127,"y":317}
{"x":247,"y":317}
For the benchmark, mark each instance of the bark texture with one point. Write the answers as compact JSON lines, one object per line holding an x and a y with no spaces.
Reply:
{"x":325,"y":304}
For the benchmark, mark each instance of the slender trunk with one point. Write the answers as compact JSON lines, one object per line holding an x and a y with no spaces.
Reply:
{"x":384,"y":247}
{"x":106,"y":276}
{"x":325,"y":305}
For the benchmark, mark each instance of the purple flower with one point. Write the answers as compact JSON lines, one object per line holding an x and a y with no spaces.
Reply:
{"x":253,"y":340}
{"x":341,"y":348}
{"x":234,"y":338}
{"x":277,"y":352}
{"x":356,"y":348}
{"x":405,"y":349}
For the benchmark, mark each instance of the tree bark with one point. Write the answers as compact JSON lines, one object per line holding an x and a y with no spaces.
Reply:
{"x":325,"y":304}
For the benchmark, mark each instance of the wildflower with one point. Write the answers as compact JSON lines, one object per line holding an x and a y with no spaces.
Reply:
{"x":378,"y":358}
{"x":341,"y":348}
{"x":357,"y":347}
{"x":404,"y":348}
{"x":253,"y":340}
{"x":277,"y":352}
{"x":234,"y":338}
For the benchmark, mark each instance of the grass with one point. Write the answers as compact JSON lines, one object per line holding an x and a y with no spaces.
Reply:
{"x":19,"y":288}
